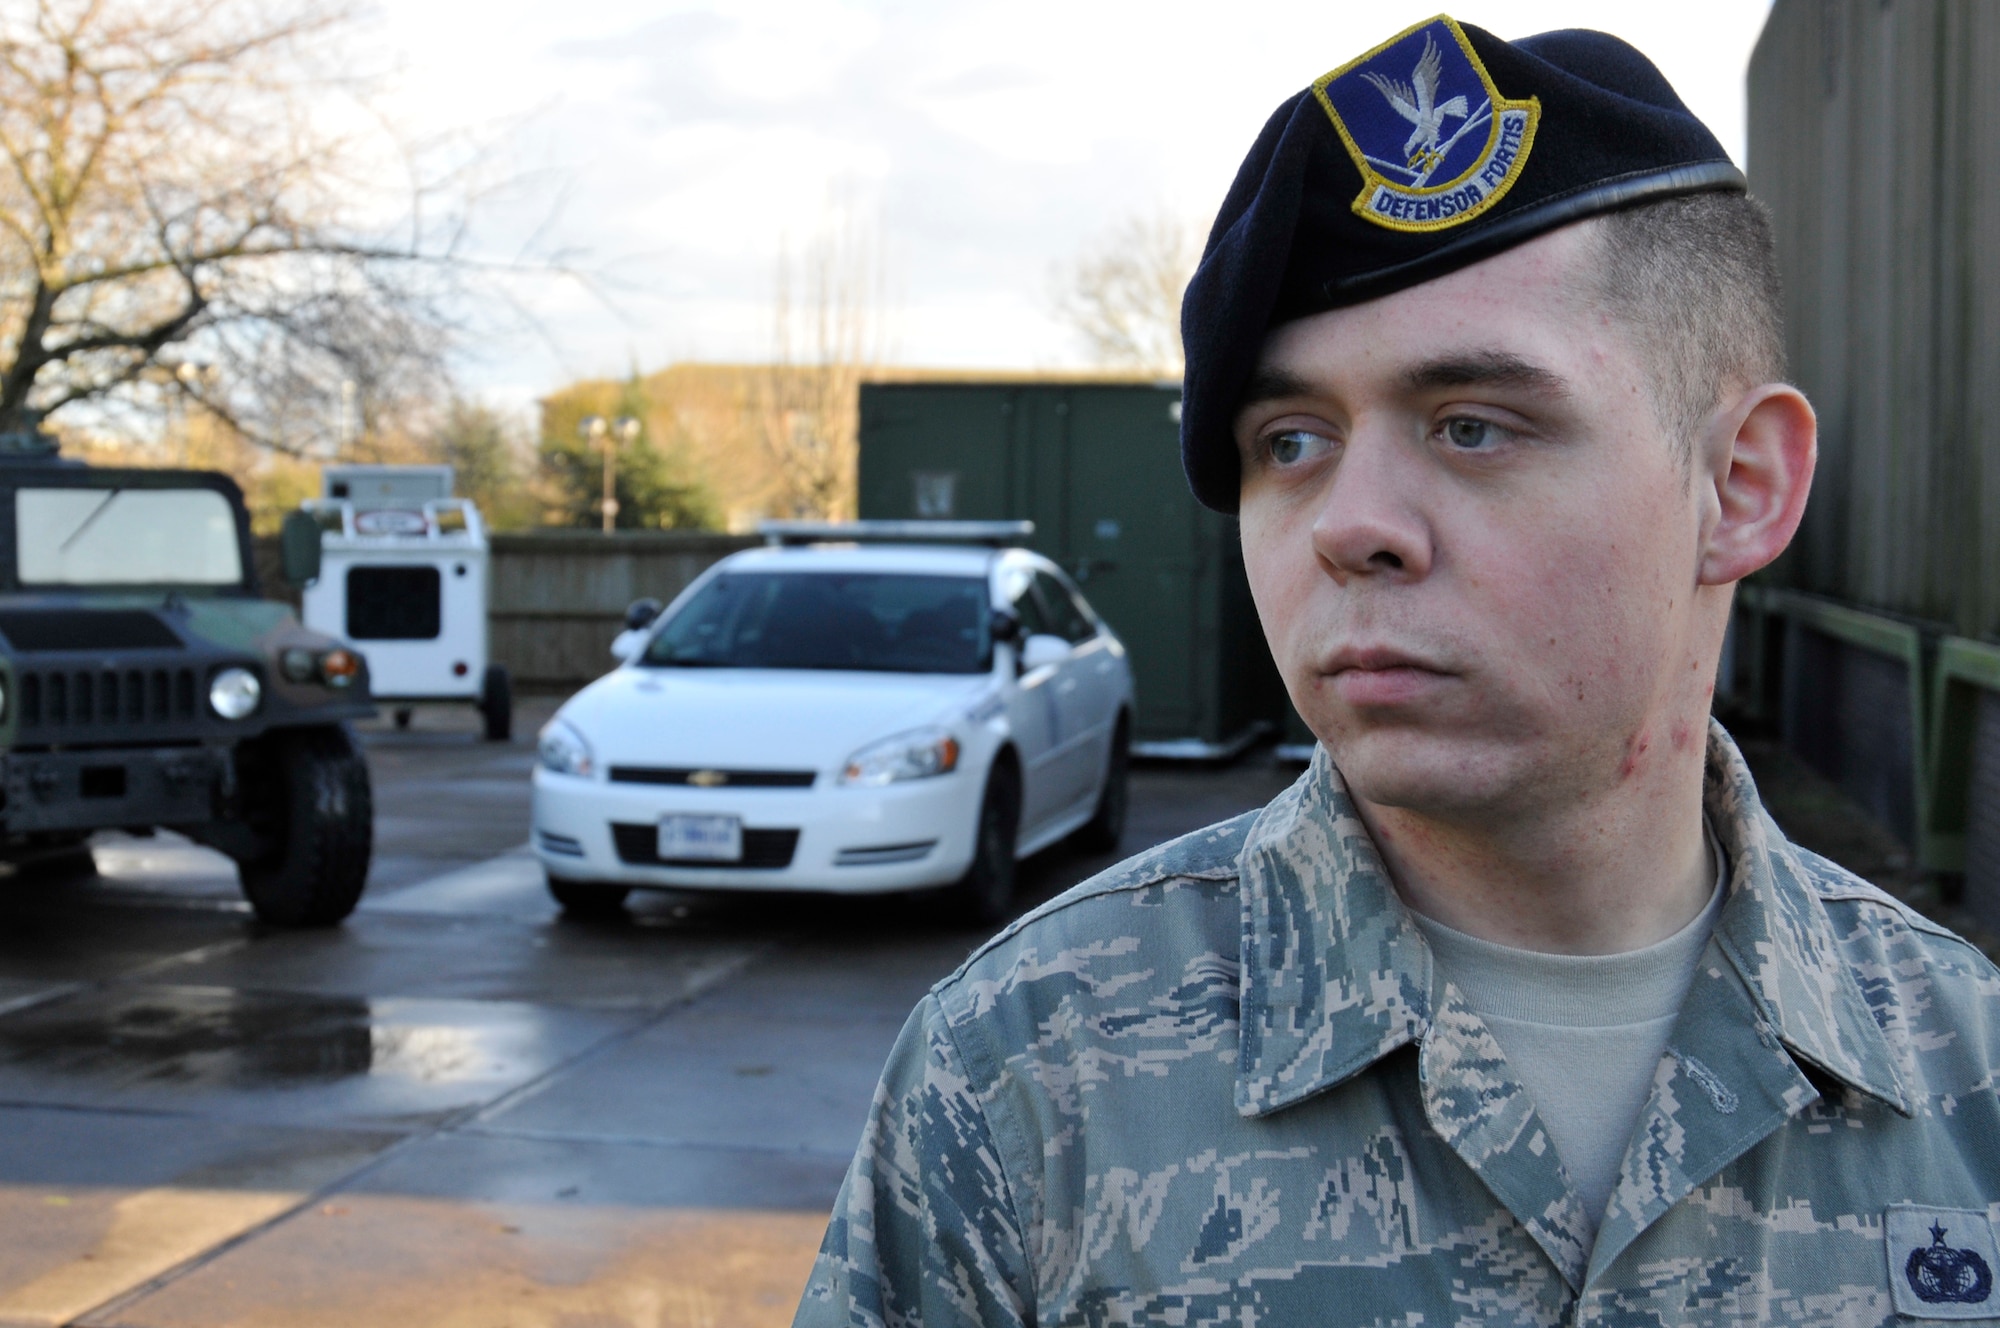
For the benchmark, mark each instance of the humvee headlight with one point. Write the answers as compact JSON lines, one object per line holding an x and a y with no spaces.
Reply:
{"x":339,"y":668}
{"x":298,"y":664}
{"x":234,"y":693}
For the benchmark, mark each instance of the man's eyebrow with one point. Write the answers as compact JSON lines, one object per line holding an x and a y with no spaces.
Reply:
{"x":1491,"y":368}
{"x":1273,"y":385}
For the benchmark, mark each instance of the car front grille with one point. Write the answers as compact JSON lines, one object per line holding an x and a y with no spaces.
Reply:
{"x":639,"y":845}
{"x":703,"y":777}
{"x":76,"y":703}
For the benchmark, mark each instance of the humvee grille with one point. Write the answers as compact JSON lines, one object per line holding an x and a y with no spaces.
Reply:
{"x":61,"y":701}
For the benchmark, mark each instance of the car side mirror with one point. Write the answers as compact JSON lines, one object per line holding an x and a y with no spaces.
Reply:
{"x":640,"y":613}
{"x":1005,"y":627}
{"x":1041,"y":650}
{"x":298,"y":548}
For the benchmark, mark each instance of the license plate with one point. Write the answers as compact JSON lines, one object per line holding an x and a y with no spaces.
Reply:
{"x":702,"y":838}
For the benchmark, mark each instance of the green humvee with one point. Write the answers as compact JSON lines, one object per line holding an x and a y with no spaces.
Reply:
{"x":144,"y":684}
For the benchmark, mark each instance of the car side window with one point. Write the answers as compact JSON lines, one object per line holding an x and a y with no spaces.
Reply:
{"x":1066,"y":617}
{"x":1027,"y":607}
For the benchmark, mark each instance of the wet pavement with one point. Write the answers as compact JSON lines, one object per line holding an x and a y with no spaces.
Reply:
{"x":458,"y":1108}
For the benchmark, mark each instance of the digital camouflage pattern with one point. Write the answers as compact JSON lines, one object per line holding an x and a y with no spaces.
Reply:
{"x":1216,"y":1085}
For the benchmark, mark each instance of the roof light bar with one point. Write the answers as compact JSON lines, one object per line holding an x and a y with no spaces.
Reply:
{"x":998,"y":534}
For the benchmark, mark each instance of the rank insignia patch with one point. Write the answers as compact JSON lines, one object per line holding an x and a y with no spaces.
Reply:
{"x":1434,"y":140}
{"x":1941,"y":1262}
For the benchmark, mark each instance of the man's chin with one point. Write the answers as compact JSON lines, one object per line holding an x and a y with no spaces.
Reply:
{"x":1429,"y":773}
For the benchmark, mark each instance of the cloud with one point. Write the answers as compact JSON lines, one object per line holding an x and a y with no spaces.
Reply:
{"x":989,"y":139}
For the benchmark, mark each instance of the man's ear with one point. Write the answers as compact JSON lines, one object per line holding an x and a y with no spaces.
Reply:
{"x":1759,"y":460}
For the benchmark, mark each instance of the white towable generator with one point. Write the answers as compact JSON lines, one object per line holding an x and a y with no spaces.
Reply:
{"x":403,"y":576}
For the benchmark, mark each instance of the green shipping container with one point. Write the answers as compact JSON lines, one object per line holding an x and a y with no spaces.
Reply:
{"x":1096,"y":467}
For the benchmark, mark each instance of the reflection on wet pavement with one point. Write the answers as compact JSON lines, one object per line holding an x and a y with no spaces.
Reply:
{"x":286,"y":1056}
{"x":192,"y":1035}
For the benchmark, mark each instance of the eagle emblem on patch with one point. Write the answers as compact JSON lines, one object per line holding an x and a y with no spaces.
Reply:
{"x":1434,"y":140}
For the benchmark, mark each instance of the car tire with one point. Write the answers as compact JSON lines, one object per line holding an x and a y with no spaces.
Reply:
{"x":316,"y":826}
{"x":985,"y":894}
{"x":496,"y":703}
{"x":589,"y":900}
{"x":1101,"y":833}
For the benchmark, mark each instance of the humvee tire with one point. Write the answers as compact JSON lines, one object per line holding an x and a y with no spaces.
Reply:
{"x":316,"y":818}
{"x":589,"y":900}
{"x":496,"y":703}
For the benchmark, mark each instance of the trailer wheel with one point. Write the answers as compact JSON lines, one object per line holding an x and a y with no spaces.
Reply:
{"x":496,"y":703}
{"x":315,"y":818}
{"x":589,"y":900}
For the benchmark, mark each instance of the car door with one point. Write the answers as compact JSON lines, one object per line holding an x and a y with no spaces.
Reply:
{"x":1081,"y":690}
{"x":1031,"y":708}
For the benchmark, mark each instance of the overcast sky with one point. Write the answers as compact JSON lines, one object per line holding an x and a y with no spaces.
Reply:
{"x":674,"y":147}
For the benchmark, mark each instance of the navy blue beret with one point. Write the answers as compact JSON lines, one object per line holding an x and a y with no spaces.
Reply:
{"x":1440,"y":147}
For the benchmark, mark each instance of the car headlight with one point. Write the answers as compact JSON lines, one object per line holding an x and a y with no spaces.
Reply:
{"x":563,"y":750}
{"x":234,"y":693}
{"x":918,"y":754}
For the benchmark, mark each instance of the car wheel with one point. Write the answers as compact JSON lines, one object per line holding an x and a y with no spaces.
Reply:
{"x":315,"y":825}
{"x":496,"y":703}
{"x":986,"y":891}
{"x":589,"y":900}
{"x":1101,"y":833}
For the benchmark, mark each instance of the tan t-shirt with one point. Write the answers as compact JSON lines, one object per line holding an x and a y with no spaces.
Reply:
{"x":1583,"y":1033}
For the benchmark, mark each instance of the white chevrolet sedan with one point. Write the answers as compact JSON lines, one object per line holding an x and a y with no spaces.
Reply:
{"x":853,"y":719}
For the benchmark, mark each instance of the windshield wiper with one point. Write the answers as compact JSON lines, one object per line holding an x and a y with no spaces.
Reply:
{"x":87,"y":522}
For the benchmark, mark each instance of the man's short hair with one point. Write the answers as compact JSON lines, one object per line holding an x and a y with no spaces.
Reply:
{"x":1696,"y":278}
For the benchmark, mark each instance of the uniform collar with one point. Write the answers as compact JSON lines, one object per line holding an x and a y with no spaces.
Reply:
{"x":1336,"y":975}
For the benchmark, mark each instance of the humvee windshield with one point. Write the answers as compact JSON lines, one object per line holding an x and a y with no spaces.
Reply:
{"x":125,"y":537}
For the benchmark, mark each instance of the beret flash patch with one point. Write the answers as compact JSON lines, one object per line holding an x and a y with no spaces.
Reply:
{"x":1435,"y":142}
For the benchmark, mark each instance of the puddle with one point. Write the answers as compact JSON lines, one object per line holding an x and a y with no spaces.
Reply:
{"x":339,"y":1057}
{"x":198,"y":1036}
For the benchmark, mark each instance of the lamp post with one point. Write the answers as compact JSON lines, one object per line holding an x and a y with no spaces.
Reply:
{"x":609,"y":435}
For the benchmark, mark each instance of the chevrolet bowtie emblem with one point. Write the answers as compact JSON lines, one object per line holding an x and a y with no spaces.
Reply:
{"x":707,"y":778}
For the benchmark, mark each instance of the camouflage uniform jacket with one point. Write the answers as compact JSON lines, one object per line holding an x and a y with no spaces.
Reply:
{"x":1218,"y":1085}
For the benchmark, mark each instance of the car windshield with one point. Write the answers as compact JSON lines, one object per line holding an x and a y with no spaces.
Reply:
{"x":867,"y":621}
{"x":124,"y":537}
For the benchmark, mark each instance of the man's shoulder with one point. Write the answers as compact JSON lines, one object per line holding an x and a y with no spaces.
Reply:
{"x":1178,"y":899}
{"x":1869,"y":920}
{"x":1934,"y":994}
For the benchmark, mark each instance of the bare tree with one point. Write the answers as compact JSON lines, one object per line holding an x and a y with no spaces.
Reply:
{"x":1122,"y":294}
{"x":828,"y":333}
{"x":179,"y":220}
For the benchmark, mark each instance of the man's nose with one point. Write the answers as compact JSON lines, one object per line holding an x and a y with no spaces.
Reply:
{"x":1370,"y":520}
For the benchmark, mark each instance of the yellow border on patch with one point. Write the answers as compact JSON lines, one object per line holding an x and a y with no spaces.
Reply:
{"x":1371,"y":179}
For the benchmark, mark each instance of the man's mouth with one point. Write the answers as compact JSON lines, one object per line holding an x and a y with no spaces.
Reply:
{"x":1370,"y":676}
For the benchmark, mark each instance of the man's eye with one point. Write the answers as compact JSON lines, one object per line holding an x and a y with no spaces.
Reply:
{"x":1295,"y":445}
{"x":1470,"y":435}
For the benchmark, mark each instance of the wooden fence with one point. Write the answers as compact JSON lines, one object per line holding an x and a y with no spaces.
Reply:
{"x":559,"y":597}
